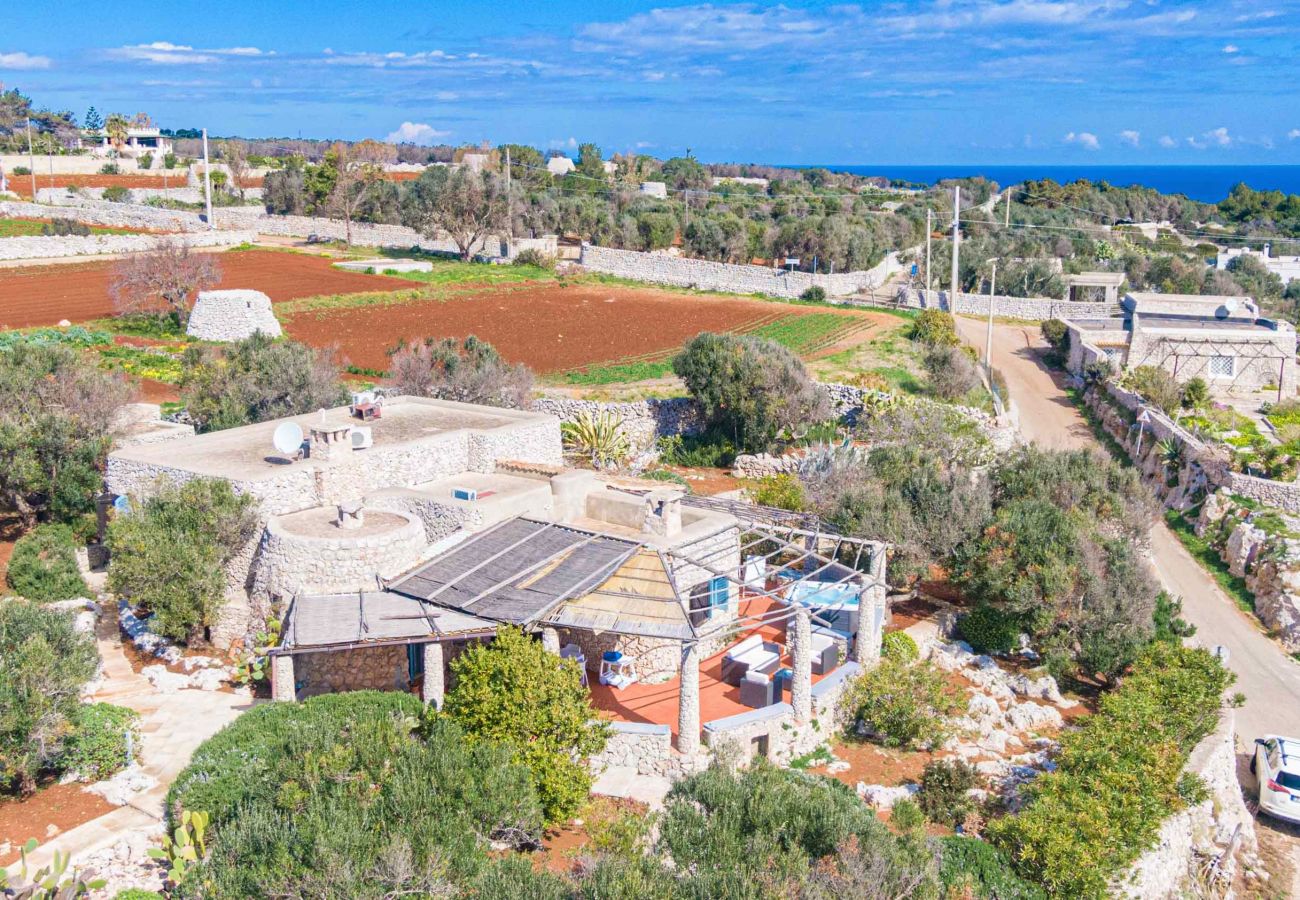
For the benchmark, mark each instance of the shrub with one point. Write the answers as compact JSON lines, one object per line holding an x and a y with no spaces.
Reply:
{"x":900,"y":647}
{"x":110,"y":169}
{"x":1056,"y":334}
{"x":61,"y":227}
{"x":990,"y":630}
{"x":707,"y":451}
{"x":138,"y":894}
{"x":974,"y":868}
{"x":344,"y":796}
{"x":469,"y":371}
{"x":163,"y":281}
{"x":257,"y":379}
{"x":115,"y":193}
{"x":44,"y":662}
{"x":952,"y":372}
{"x":21,"y":170}
{"x":56,"y":427}
{"x":1119,"y":776}
{"x":749,"y":387}
{"x":44,"y":565}
{"x":169,"y":161}
{"x":598,"y":436}
{"x":935,"y":328}
{"x":1156,"y":385}
{"x":534,"y":257}
{"x":169,"y":556}
{"x":780,"y":491}
{"x":903,"y":704}
{"x":97,"y":747}
{"x":906,"y":815}
{"x":814,"y":294}
{"x":512,"y":692}
{"x":943,"y":796}
{"x":145,"y":161}
{"x":1196,"y":393}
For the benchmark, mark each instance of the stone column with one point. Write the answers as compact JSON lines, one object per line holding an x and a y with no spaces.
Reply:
{"x":871,"y":625}
{"x":551,"y":641}
{"x":282,"y":678}
{"x":433,"y":688}
{"x":798,"y":636}
{"x":688,"y":701}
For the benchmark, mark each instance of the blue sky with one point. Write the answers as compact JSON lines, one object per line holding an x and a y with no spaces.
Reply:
{"x":941,"y":81}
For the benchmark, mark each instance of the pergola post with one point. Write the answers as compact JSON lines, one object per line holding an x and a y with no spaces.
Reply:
{"x":799,"y":639}
{"x":433,"y":688}
{"x":872,"y":604}
{"x":282,"y":678}
{"x":551,"y":641}
{"x":688,"y":701}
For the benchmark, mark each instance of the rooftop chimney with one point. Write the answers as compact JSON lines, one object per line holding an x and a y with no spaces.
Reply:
{"x":663,"y":515}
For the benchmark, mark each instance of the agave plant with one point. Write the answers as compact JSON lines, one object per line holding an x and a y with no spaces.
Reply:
{"x":820,"y":460}
{"x":599,"y":436}
{"x":1171,"y":453}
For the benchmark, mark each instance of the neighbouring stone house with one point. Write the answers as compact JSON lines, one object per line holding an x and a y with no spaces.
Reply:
{"x":1223,"y":340}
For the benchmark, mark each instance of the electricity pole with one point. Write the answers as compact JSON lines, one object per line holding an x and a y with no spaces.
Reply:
{"x":1008,"y":223}
{"x":510,"y":201}
{"x":31,"y":159}
{"x":988,"y":340}
{"x":929,"y":229}
{"x":956,"y":244}
{"x":207,"y":179}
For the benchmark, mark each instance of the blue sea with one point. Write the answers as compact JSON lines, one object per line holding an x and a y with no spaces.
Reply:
{"x":1209,"y":184}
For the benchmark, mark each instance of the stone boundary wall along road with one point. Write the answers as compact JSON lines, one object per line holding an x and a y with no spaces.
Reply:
{"x":41,"y":247}
{"x":1031,"y":308}
{"x":706,"y":275}
{"x":103,"y":212}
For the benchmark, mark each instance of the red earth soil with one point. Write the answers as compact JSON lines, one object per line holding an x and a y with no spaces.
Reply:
{"x":48,"y":812}
{"x":22,"y":184}
{"x":44,"y":295}
{"x":550,"y":328}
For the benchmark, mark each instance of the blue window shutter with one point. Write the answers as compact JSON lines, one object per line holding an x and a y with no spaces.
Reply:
{"x":717,"y":593}
{"x":414,"y":661}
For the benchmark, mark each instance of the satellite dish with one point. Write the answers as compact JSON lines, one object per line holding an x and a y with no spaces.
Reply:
{"x":288,"y":437}
{"x":1231,"y":304}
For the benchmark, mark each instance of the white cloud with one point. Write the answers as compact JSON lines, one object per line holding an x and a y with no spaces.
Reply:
{"x":416,"y":133}
{"x":1131,"y":137}
{"x":1293,"y":134}
{"x":1167,"y":142}
{"x":927,"y":94}
{"x":562,"y":144}
{"x":1219,"y":137}
{"x":165,"y":53}
{"x":23,"y":61}
{"x":446,"y":96}
{"x":1231,"y":48}
{"x":1085,"y":139}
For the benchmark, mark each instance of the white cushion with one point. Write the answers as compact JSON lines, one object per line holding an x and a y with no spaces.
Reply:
{"x":821,"y":642}
{"x":756,"y":677}
{"x":754,"y":641}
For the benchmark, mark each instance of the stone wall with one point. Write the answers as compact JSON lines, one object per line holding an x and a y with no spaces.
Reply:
{"x":359,"y":669}
{"x":139,"y":195}
{"x":55,"y":247}
{"x":643,"y":421}
{"x":1031,"y":308}
{"x":232,"y":315}
{"x":646,"y":748}
{"x":1168,"y":870}
{"x":657,"y":659}
{"x":113,"y":215}
{"x":706,"y":275}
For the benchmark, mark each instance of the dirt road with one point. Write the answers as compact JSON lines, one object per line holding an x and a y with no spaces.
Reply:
{"x":1267,"y":676}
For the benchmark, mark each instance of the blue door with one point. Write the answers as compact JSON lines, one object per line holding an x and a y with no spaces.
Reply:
{"x":414,"y":662}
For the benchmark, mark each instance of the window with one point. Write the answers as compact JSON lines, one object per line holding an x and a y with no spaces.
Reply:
{"x":1114,"y":355}
{"x":1223,"y":366}
{"x":708,"y":597}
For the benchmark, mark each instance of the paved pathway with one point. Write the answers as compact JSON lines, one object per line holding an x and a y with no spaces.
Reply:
{"x":171,"y":728}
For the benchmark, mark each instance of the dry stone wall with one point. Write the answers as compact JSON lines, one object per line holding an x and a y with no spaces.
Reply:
{"x":360,"y":669}
{"x":1031,"y":308}
{"x":232,"y":315}
{"x":642,"y":421}
{"x":112,"y":215}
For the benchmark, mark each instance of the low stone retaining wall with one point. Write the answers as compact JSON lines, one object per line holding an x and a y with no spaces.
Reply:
{"x":1204,"y":830}
{"x":706,"y":275}
{"x":644,"y":747}
{"x":138,"y":195}
{"x":643,"y":421}
{"x":1032,"y":308}
{"x":103,"y":212}
{"x":54,"y":247}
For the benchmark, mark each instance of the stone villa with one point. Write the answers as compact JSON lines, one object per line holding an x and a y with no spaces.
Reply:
{"x":394,"y":542}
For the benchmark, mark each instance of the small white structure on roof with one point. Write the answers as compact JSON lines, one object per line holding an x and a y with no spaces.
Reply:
{"x":232,"y":315}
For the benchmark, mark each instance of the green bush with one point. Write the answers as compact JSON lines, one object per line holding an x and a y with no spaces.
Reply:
{"x":21,"y":170}
{"x":44,"y":662}
{"x":60,"y":227}
{"x":97,"y":747}
{"x":169,"y":555}
{"x":990,"y":630}
{"x":780,"y":491}
{"x":1156,"y":386}
{"x":1056,"y":334}
{"x":974,"y":868}
{"x":944,"y":784}
{"x":1119,"y":776}
{"x":138,"y":894}
{"x":115,"y":193}
{"x":534,"y":257}
{"x":710,"y":450}
{"x":512,"y":692}
{"x":814,"y":294}
{"x":110,"y":168}
{"x":44,"y":565}
{"x":900,"y":647}
{"x":1196,"y":393}
{"x":903,"y":704}
{"x":935,"y":328}
{"x":344,"y":795}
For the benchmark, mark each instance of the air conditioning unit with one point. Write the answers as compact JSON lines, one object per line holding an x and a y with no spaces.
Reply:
{"x":362,"y":438}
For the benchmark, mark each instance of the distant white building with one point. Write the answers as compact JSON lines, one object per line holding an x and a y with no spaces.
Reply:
{"x":736,"y":179}
{"x":138,"y":141}
{"x":611,"y":168}
{"x":1285,"y":267}
{"x":559,"y":165}
{"x":655,"y":189}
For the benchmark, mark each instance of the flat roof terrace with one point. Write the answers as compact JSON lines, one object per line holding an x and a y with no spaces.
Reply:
{"x":248,"y":454}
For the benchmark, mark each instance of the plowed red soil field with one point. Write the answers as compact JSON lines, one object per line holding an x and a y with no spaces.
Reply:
{"x":22,"y":184}
{"x":548,"y":327}
{"x":44,"y":295}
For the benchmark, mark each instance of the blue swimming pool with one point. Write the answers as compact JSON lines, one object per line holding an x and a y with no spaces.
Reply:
{"x":835,"y":604}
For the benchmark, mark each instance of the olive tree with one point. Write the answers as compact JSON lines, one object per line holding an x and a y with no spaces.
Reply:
{"x":460,"y":203}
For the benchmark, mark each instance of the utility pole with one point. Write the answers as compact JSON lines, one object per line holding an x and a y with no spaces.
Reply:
{"x":207,"y":179}
{"x":988,"y":339}
{"x":929,"y":229}
{"x":31,"y":158}
{"x":1008,"y":222}
{"x":956,"y":243}
{"x":510,"y":202}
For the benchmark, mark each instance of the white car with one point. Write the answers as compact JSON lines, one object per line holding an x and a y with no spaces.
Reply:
{"x":1276,"y":765}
